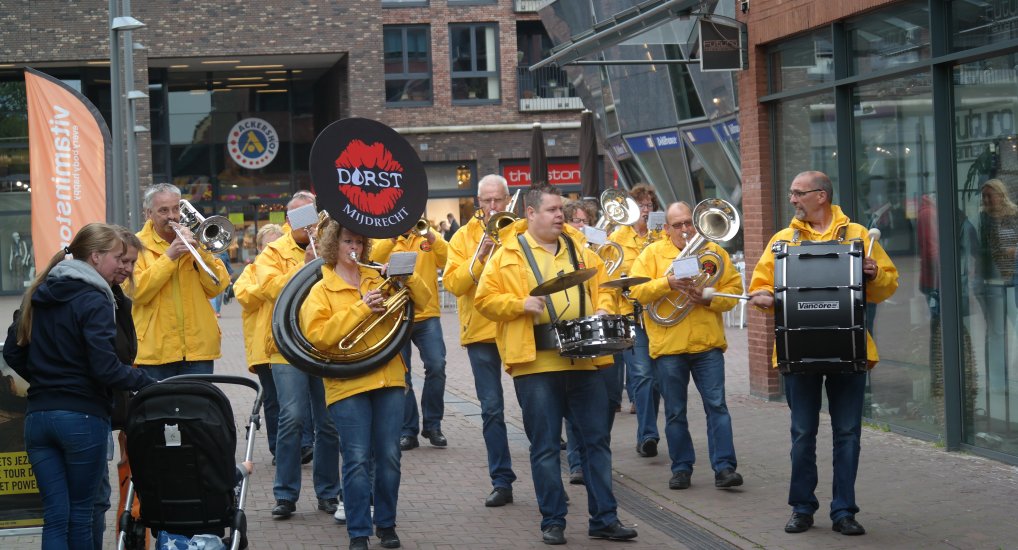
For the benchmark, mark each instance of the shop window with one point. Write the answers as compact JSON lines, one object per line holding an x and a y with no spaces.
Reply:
{"x":975,"y":24}
{"x":407,"y":59}
{"x":803,"y":61}
{"x":805,"y":139}
{"x":892,"y":37}
{"x":474,"y":63}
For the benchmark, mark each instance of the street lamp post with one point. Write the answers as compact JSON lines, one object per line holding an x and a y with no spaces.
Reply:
{"x":122,"y":22}
{"x":134,"y":209}
{"x":117,"y":188}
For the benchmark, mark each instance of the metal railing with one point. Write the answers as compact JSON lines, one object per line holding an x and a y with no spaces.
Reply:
{"x":546,"y":89}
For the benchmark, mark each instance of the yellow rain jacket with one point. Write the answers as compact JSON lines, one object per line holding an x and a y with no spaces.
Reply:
{"x":172,"y":313}
{"x":703,"y":328}
{"x":430,"y":258}
{"x":333,"y":309}
{"x":458,"y":279}
{"x":255,"y":316}
{"x":632,"y":244}
{"x":503,"y":288}
{"x":879,"y":289}
{"x":278,"y":262}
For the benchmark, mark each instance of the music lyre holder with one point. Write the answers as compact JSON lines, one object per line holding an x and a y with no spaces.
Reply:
{"x":625,"y":284}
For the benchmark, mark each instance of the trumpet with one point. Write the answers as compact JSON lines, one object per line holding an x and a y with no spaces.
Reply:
{"x":714,"y":220}
{"x":497,"y":222}
{"x":421,"y":227}
{"x":214,"y":234}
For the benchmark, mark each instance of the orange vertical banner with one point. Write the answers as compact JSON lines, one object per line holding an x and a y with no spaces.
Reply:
{"x":69,"y":162}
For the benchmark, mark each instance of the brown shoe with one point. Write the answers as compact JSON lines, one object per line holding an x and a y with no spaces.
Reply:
{"x":632,"y":408}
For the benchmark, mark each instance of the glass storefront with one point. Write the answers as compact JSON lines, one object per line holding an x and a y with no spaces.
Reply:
{"x":890,"y":163}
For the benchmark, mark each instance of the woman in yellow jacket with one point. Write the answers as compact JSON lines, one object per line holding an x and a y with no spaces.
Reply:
{"x":368,"y":409}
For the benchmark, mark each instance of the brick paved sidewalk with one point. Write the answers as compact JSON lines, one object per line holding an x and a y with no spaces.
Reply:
{"x":912,"y":494}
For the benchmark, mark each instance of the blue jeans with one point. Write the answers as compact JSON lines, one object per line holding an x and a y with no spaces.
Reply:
{"x":166,"y":370}
{"x":487,"y":368}
{"x":708,"y":371}
{"x":546,"y":399}
{"x":644,"y":385}
{"x":613,"y":389}
{"x":102,"y":501}
{"x":845,"y":394}
{"x":369,"y":425}
{"x":427,"y":336}
{"x":67,"y":451}
{"x":271,"y":403}
{"x":295,"y":389}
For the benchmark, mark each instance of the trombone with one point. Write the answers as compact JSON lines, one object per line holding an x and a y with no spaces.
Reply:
{"x":497,"y":222}
{"x":214,"y":234}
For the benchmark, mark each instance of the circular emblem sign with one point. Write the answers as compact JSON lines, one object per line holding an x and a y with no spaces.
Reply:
{"x":368,"y":178}
{"x":253,"y":143}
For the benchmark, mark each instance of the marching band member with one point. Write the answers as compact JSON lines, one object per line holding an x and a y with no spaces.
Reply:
{"x":177,"y":328}
{"x":818,"y":219}
{"x":694,"y":346}
{"x":367,"y":409}
{"x":550,"y":387}
{"x":477,"y":333}
{"x":278,"y":262}
{"x":256,"y":319}
{"x":426,"y":335}
{"x":642,"y":382}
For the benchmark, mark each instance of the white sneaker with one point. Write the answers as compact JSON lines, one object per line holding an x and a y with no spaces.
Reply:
{"x":340,"y":515}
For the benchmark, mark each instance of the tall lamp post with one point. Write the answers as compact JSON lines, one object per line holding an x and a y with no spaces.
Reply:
{"x":133,"y":207}
{"x":121,"y":23}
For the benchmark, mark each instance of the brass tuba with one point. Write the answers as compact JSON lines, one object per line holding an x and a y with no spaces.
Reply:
{"x":714,"y":220}
{"x":617,"y":209}
{"x":353,"y":357}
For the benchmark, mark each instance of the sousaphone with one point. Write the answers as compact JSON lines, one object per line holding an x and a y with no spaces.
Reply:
{"x":370,"y":180}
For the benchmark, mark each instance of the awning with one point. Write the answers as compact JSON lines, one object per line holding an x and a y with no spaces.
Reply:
{"x":618,"y":28}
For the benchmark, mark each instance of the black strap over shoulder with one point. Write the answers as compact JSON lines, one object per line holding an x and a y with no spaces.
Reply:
{"x":571,"y":248}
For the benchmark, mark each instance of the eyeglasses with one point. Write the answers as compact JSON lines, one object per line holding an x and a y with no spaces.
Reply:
{"x":578,"y":220}
{"x":801,"y":194}
{"x":680,"y":225}
{"x":646,"y":206}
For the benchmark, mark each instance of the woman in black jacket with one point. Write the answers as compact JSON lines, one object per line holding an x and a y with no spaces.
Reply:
{"x":65,"y":347}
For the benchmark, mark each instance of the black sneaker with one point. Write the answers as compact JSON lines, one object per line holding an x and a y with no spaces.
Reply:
{"x":648,"y":448}
{"x":553,"y":535}
{"x":727,"y":478}
{"x":848,"y":526}
{"x":307,"y":454}
{"x":283,"y":509}
{"x":387,"y":537}
{"x":359,"y":543}
{"x":408,"y":442}
{"x":615,"y":531}
{"x":500,"y":496}
{"x":328,"y":505}
{"x":680,"y":480}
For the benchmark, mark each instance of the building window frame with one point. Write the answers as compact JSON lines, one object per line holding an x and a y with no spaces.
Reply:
{"x":404,"y":4}
{"x":407,"y":74}
{"x":474,"y":71}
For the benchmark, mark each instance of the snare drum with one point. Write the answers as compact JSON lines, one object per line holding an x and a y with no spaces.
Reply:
{"x":595,"y":336}
{"x":820,"y":307}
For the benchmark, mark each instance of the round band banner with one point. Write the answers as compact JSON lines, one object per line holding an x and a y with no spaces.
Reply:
{"x":252,"y":143}
{"x":368,"y":177}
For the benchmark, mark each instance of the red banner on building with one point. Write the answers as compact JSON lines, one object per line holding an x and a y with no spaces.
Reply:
{"x":69,"y":159}
{"x":559,"y":173}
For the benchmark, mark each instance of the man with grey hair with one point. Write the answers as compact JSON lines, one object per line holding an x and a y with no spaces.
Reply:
{"x":176,"y":325}
{"x":467,"y":253}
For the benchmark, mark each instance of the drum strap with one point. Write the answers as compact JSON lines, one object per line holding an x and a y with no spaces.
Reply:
{"x":841,"y":234}
{"x":525,"y":246}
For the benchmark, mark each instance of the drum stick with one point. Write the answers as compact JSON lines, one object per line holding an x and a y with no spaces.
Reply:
{"x":874,"y":234}
{"x":709,"y":292}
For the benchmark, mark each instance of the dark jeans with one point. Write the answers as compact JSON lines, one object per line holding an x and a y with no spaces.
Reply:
{"x":845,"y":393}
{"x":547,"y":399}
{"x":67,"y":451}
{"x":613,"y":388}
{"x":427,"y":336}
{"x":644,"y":386}
{"x":271,"y":403}
{"x":487,"y":368}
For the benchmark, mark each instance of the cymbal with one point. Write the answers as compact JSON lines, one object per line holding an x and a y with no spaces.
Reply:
{"x":562,"y":282}
{"x":625,"y":282}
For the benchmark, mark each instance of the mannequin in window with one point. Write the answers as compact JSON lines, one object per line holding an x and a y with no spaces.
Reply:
{"x":20,"y":258}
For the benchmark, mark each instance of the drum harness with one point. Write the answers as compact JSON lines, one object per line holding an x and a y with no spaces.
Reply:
{"x":545,"y":337}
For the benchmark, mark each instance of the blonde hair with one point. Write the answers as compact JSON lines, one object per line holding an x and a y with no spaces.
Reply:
{"x":94,"y":237}
{"x":1007,"y":207}
{"x":265,"y":231}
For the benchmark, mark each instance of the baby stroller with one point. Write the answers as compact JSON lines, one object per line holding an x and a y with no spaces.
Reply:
{"x":181,"y":440}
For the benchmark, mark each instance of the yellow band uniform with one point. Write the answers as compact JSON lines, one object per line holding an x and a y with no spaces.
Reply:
{"x":458,"y":280}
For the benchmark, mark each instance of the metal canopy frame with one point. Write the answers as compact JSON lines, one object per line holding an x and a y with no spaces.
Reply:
{"x":618,"y":28}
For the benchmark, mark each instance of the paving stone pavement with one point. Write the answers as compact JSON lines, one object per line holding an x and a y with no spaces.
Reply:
{"x":912,"y":494}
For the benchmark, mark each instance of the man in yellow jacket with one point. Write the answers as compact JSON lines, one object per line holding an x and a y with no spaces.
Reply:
{"x":177,"y":328}
{"x":817,"y":219}
{"x":426,"y":335}
{"x":549,"y":386}
{"x":256,"y":321}
{"x":642,"y":383}
{"x":297,"y":391}
{"x":477,"y":333}
{"x":692,"y":347}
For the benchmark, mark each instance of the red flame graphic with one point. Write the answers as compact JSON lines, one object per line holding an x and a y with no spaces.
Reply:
{"x":360,"y":156}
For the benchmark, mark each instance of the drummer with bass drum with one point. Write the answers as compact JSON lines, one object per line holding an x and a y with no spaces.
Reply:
{"x":550,"y":387}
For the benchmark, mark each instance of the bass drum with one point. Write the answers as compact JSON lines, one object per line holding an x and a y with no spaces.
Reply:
{"x":595,"y":336}
{"x":296,"y":349}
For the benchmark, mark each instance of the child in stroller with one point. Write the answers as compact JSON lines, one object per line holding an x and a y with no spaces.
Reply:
{"x":181,"y":439}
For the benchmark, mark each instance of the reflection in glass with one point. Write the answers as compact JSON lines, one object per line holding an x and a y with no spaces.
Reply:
{"x":802,"y":62}
{"x":976,"y":24}
{"x":894,"y":173}
{"x":986,"y":99}
{"x":474,"y":72}
{"x":890,"y":37}
{"x":805,"y":141}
